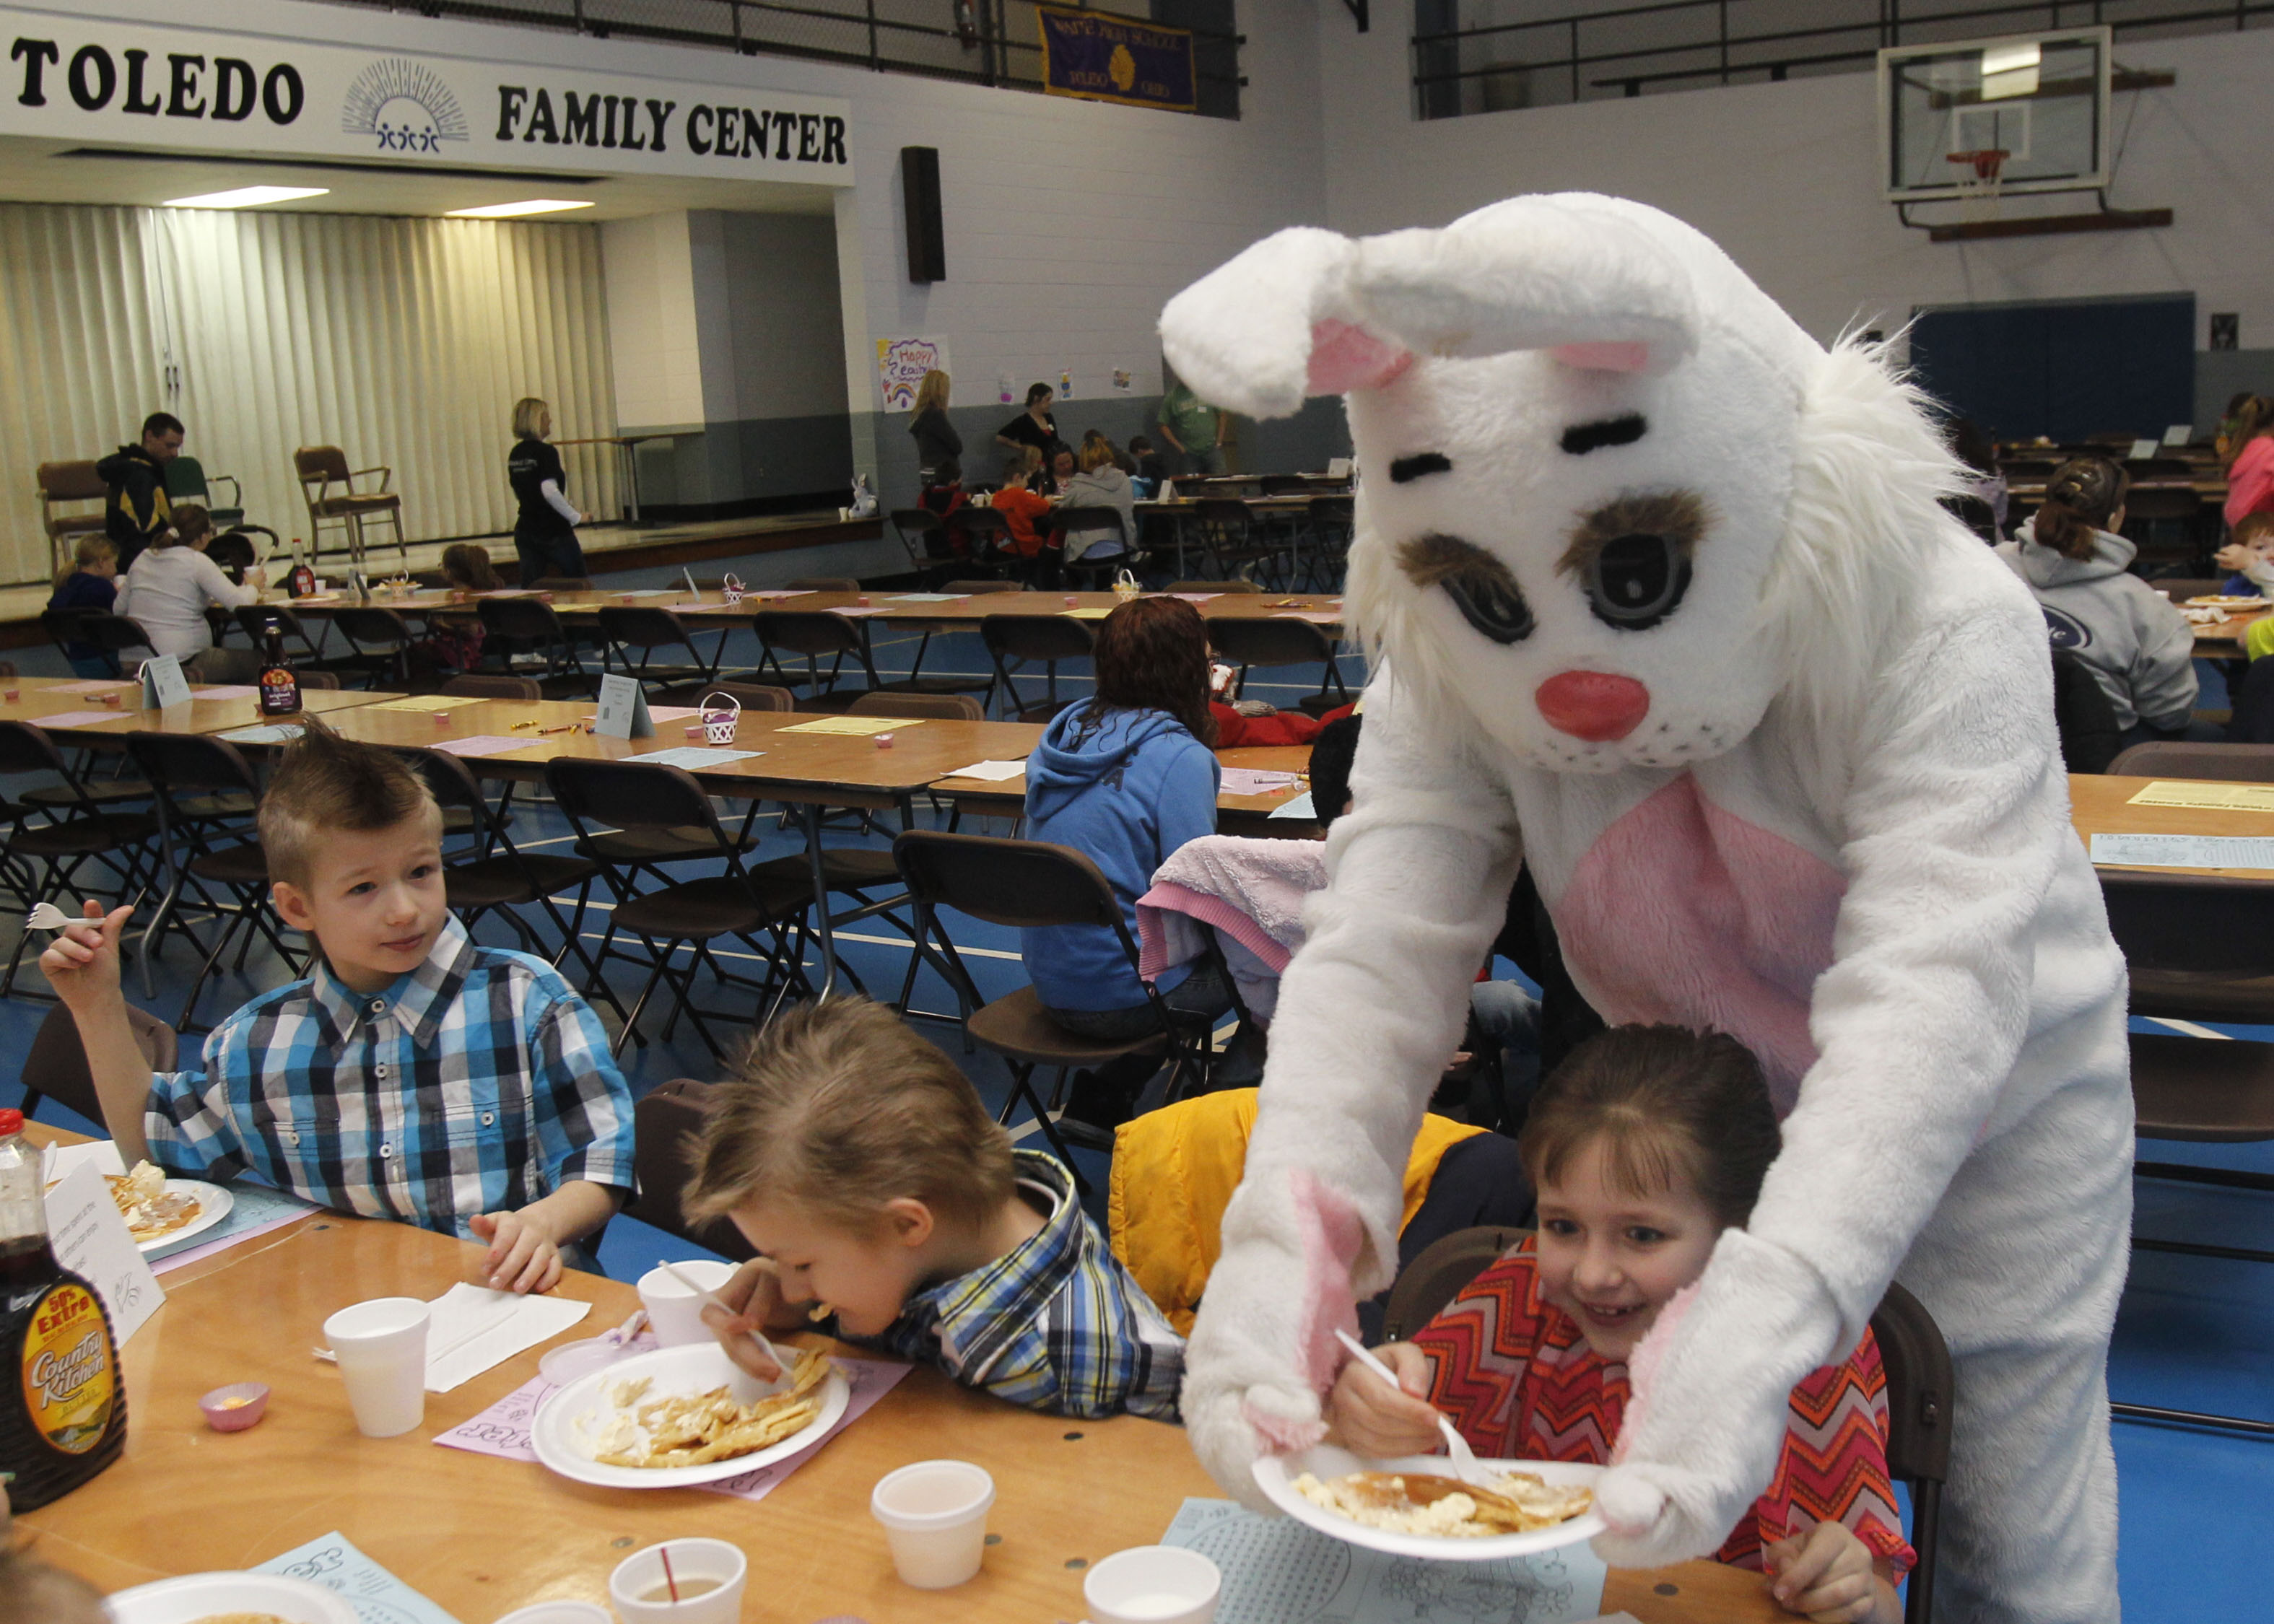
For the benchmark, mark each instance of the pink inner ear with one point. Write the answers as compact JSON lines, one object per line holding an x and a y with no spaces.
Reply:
{"x":1607,"y":357}
{"x":1345,"y":357}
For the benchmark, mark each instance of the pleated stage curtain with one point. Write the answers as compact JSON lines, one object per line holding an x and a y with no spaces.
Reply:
{"x":404,"y":342}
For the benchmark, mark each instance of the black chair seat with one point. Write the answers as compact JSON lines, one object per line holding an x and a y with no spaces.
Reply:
{"x":232,"y":865}
{"x":499,"y":882}
{"x":232,"y":804}
{"x":847,"y":868}
{"x":102,"y":791}
{"x":702,"y":909}
{"x":655,"y":845}
{"x":98,"y":831}
{"x":2206,"y":1092}
{"x":1020,"y":1028}
{"x":2193,"y":995}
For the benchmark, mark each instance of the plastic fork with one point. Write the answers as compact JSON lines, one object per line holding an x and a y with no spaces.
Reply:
{"x":684,"y":1279}
{"x":1458,"y":1453}
{"x":48,"y":916}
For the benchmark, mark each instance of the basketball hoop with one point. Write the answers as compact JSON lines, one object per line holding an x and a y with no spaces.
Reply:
{"x":1979,"y":176}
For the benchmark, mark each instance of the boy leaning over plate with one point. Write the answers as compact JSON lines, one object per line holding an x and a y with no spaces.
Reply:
{"x":411,"y":1075}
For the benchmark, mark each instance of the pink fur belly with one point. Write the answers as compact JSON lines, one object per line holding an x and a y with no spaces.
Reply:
{"x":1684,"y":915}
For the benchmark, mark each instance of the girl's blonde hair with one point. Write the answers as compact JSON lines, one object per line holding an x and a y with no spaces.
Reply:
{"x":840,"y":1107}
{"x":931,"y":393}
{"x":91,"y":551}
{"x":1096,"y":454}
{"x":528,"y":413}
{"x":1671,"y":1107}
{"x":1022,"y":462}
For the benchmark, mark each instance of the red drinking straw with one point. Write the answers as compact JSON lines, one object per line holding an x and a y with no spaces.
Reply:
{"x":670,"y":1582}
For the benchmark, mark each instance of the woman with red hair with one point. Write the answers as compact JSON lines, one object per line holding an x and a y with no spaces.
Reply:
{"x":1125,"y":780}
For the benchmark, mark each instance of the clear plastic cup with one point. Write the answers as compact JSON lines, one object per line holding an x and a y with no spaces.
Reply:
{"x":709,"y":1573}
{"x":1153,"y":1584}
{"x":935,"y":1518}
{"x":675,"y":1312}
{"x":380,"y":1347}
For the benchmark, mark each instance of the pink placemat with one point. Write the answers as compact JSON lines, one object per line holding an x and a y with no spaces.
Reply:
{"x":1316,"y":617}
{"x":227,"y":690}
{"x":75,"y":719}
{"x":503,"y":1428}
{"x":94,"y":685}
{"x":481,"y":744}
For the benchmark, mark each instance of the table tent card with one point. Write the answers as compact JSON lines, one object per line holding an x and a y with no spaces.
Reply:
{"x":623,"y":710}
{"x":164,"y":683}
{"x":92,"y":1240}
{"x":377,"y":1595}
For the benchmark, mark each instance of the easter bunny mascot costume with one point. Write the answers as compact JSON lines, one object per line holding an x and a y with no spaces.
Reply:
{"x":1664,"y":604}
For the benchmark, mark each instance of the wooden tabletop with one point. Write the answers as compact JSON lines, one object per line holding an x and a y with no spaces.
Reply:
{"x":1275,"y":758}
{"x":40,"y":698}
{"x":2099,"y":804}
{"x":480,"y":1536}
{"x":710,"y":607}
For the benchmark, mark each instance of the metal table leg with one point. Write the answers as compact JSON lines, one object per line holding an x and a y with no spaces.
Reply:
{"x":823,"y":932}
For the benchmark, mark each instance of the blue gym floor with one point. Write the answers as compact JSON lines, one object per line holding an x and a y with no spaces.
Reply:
{"x":2194,"y":1334}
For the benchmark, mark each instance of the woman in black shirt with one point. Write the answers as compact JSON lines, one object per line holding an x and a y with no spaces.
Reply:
{"x":544,"y":535}
{"x":1034,"y":426}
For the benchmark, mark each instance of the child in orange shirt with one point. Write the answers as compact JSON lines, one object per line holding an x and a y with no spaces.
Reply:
{"x":1019,"y":506}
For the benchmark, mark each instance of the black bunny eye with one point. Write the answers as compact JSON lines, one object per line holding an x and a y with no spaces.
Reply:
{"x":1480,"y":585}
{"x":1636,"y":580}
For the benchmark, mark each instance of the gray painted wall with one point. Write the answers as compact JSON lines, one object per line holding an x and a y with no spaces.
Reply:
{"x":2221,"y":374}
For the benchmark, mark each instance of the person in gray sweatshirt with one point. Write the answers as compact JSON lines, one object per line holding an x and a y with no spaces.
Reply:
{"x":2134,"y":640}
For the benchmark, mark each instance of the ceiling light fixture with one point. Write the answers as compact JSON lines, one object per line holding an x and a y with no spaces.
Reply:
{"x":247,"y":197}
{"x":506,"y":211}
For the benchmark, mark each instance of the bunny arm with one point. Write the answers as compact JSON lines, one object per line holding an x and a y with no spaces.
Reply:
{"x":1370,"y":1012}
{"x":1957,"y":829}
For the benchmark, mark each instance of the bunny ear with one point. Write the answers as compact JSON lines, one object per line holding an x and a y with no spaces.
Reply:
{"x":1259,"y":335}
{"x":1570,"y":275}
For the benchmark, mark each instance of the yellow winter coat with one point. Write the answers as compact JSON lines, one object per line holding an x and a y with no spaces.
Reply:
{"x":1174,"y":1170}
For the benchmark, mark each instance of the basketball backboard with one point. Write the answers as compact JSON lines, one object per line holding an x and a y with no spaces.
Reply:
{"x":2032,"y":108}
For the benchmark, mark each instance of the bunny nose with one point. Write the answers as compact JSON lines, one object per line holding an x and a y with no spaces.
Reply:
{"x":1594,"y":705}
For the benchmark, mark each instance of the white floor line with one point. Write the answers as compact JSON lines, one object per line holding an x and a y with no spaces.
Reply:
{"x":843,"y":936}
{"x":2190,"y":1028}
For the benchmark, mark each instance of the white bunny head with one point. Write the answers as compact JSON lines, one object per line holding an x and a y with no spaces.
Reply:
{"x":1612,"y":495}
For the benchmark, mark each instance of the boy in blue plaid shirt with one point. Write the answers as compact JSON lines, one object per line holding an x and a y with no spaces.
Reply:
{"x":412,"y":1075}
{"x":858,"y":1161}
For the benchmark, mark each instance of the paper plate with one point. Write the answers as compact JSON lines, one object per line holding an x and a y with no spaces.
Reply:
{"x":685,"y":1370}
{"x":193,"y":1596}
{"x":214,"y":1203}
{"x":1276,"y":1475}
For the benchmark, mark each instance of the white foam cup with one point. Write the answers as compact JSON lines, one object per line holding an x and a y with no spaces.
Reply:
{"x":706,"y":1561}
{"x":675,"y":1313}
{"x":935,"y":1518}
{"x":380,"y":1347}
{"x":1153,"y":1584}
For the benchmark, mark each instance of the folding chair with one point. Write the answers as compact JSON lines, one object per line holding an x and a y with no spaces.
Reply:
{"x":823,"y":584}
{"x":985,"y":587}
{"x":1249,"y":643}
{"x":560,"y":584}
{"x":923,"y":537}
{"x":2198,"y":947}
{"x":526,"y":628}
{"x":327,"y":485}
{"x":500,"y":877}
{"x":1023,"y":883}
{"x":986,"y":534}
{"x":56,"y":1067}
{"x":632,"y":634}
{"x":1083,"y":571}
{"x":664,"y":1124}
{"x":526,"y":691}
{"x":62,"y":626}
{"x":1016,"y":641}
{"x":814,"y":635}
{"x":1922,"y":1405}
{"x":207,"y":800}
{"x":2179,"y":758}
{"x":254,"y":618}
{"x":44,"y":859}
{"x":636,"y":797}
{"x":1234,"y":540}
{"x":380,"y":644}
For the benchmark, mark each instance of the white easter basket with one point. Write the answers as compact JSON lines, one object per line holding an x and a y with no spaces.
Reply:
{"x":719,"y":726}
{"x":1126,"y":586}
{"x":733,"y":586}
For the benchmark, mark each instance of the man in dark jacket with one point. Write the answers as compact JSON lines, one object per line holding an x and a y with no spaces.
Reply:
{"x":138,"y":509}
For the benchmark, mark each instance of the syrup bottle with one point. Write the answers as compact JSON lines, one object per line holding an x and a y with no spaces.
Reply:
{"x":303,"y":579}
{"x":280,"y":685}
{"x":63,"y":1398}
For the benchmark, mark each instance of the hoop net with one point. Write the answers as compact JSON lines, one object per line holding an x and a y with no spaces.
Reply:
{"x":1980,"y":176}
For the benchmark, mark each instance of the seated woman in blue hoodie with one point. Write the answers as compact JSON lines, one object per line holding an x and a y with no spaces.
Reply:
{"x":1125,"y":780}
{"x":2138,"y":645}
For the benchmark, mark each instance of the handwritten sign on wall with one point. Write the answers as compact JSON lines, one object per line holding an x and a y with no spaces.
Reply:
{"x":901,"y":363}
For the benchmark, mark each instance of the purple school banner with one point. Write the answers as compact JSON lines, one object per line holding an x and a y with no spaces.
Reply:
{"x":1109,"y":58}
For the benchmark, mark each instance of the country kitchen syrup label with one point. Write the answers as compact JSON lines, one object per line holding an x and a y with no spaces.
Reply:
{"x":69,"y":1383}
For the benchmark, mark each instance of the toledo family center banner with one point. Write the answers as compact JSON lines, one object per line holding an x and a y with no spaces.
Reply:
{"x":1113,"y":59}
{"x":100,"y":82}
{"x":901,"y":363}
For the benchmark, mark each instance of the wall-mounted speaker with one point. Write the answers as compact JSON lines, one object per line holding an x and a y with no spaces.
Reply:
{"x":920,"y":190}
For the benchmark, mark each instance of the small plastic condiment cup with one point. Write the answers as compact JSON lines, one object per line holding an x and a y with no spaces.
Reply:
{"x":234,"y":1408}
{"x":380,"y":1347}
{"x":442,"y":719}
{"x":560,"y":1612}
{"x":884,"y":742}
{"x":675,"y":1313}
{"x":638,"y":1580}
{"x":11,"y":694}
{"x":1153,"y":1584}
{"x":935,"y":1518}
{"x":113,"y":700}
{"x":1073,"y":600}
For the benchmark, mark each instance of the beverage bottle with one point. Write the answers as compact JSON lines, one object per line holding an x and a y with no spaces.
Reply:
{"x":280,"y":685}
{"x":62,"y":1399}
{"x":304,"y":579}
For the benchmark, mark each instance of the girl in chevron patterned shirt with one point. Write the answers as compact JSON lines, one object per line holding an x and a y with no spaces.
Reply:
{"x":1644,"y":1146}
